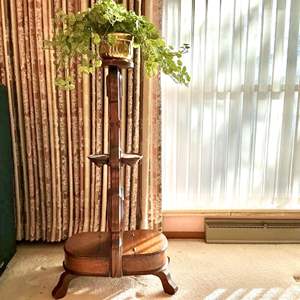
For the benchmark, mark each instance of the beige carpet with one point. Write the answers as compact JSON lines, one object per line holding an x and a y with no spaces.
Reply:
{"x":202,"y":271}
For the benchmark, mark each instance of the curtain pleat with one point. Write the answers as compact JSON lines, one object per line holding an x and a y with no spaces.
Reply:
{"x":58,"y":191}
{"x":154,"y":205}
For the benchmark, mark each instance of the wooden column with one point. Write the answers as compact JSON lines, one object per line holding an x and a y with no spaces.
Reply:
{"x":114,"y":88}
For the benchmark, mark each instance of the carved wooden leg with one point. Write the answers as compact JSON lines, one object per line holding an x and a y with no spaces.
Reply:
{"x":168,"y":284}
{"x":62,"y":286}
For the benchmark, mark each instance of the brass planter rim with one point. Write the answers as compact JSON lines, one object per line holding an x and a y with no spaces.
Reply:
{"x":121,"y":48}
{"x":122,"y":36}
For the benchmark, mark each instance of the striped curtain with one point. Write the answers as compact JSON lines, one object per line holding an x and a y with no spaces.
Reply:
{"x":58,"y":191}
{"x":232,"y":138}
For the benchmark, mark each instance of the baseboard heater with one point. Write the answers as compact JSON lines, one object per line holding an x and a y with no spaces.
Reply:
{"x":264,"y":231}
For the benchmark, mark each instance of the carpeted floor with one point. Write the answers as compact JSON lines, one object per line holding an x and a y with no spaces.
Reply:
{"x":202,"y":271}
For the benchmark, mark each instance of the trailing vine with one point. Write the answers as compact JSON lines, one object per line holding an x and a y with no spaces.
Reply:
{"x":80,"y":34}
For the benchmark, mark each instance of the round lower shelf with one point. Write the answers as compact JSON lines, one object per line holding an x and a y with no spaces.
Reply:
{"x":89,"y":253}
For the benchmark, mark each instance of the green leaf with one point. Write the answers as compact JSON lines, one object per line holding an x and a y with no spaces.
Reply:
{"x":111,"y":39}
{"x":96,"y":39}
{"x":97,"y":63}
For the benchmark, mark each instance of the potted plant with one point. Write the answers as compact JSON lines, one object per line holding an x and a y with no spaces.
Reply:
{"x":108,"y":29}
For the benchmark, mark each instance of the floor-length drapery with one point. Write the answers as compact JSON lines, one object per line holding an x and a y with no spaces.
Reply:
{"x":152,"y":189}
{"x":58,"y":191}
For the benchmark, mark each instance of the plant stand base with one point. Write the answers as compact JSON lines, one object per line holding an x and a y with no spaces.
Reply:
{"x":88,"y":254}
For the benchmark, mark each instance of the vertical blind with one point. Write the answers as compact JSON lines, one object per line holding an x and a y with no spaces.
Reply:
{"x":231,"y":140}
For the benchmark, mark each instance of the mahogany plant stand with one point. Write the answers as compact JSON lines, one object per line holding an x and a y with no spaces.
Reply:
{"x":117,"y":252}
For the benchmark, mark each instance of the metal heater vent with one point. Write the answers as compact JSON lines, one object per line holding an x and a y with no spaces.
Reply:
{"x":252,"y":230}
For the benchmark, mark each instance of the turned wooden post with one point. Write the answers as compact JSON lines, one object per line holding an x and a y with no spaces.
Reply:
{"x":114,"y":88}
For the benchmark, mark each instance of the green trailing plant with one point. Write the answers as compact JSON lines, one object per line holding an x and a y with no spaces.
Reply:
{"x":80,"y":34}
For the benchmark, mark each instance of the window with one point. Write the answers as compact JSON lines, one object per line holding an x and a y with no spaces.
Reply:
{"x":231,"y":140}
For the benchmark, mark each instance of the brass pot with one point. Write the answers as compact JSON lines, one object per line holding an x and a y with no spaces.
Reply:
{"x":122,"y":46}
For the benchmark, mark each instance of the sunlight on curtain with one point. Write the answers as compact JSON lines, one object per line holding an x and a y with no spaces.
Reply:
{"x":231,"y":140}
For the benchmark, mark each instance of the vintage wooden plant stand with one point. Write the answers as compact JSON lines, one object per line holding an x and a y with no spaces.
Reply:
{"x":117,"y":252}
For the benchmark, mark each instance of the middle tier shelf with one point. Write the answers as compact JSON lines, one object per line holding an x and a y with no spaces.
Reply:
{"x":126,"y":158}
